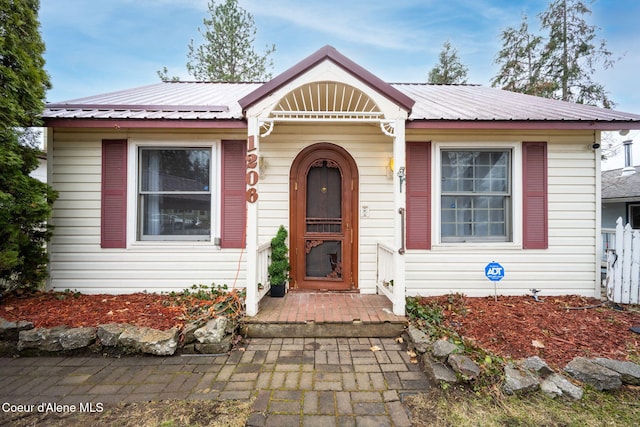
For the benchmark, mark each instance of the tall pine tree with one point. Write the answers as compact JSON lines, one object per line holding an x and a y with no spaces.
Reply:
{"x":521,"y":69}
{"x":25,"y":202}
{"x":560,"y":63}
{"x":572,"y":52}
{"x":449,"y":69}
{"x":227,"y":53}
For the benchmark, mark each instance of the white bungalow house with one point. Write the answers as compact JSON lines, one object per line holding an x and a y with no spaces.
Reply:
{"x":401,"y":189}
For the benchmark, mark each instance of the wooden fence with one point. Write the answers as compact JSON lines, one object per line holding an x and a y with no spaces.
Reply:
{"x":623,"y":266}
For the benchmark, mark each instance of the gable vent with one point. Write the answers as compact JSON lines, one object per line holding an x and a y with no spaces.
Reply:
{"x":327,"y":101}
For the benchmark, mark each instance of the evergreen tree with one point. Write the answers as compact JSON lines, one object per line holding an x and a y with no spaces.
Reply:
{"x":572,"y":52}
{"x":227,"y":53}
{"x":25,"y":202}
{"x":449,"y":70}
{"x":521,"y":68}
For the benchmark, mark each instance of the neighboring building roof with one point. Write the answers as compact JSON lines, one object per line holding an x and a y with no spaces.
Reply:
{"x":618,"y":187}
{"x":430,"y":106}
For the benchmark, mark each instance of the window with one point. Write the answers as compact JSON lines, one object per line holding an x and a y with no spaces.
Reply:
{"x":174,"y":194}
{"x":475,"y":195}
{"x":634,"y":216}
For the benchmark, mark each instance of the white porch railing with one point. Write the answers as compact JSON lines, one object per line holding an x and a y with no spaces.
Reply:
{"x":264,"y":258}
{"x":385,"y":270}
{"x":623,"y":266}
{"x":608,"y":242}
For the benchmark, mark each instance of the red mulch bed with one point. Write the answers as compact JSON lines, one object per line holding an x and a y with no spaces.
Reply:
{"x":511,"y":327}
{"x":519,"y":327}
{"x":49,"y":309}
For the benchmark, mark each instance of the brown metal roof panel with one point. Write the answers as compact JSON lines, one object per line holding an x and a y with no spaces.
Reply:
{"x":442,"y":102}
{"x":188,"y":97}
{"x":211,"y":101}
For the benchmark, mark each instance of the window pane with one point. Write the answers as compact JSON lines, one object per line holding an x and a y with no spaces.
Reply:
{"x":324,"y":199}
{"x":324,"y":258}
{"x":174,"y":195}
{"x":481,"y":215}
{"x":634,"y":216}
{"x":175,"y":170}
{"x":480,"y":229}
{"x":497,"y":229}
{"x":475,"y":190}
{"x":176,"y":215}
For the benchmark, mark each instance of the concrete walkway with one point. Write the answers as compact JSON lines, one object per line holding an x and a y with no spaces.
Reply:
{"x":294,"y":381}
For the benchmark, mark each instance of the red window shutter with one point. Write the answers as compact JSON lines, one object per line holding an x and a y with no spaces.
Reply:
{"x":234,"y":187}
{"x":534,"y":182}
{"x":113,"y":216}
{"x":418,"y":195}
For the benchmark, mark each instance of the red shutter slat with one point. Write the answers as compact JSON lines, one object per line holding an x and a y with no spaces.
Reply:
{"x":234,"y":211}
{"x":418,"y":195}
{"x":534,"y":182}
{"x":113,"y":215}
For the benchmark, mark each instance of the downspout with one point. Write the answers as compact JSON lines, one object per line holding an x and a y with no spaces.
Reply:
{"x":598,"y":221}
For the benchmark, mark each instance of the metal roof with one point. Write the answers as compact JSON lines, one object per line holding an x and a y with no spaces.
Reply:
{"x":474,"y":102}
{"x":219,"y":101}
{"x":167,"y":101}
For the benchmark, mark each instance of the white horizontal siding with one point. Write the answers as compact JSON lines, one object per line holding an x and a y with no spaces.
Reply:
{"x":371,"y":151}
{"x":567,"y":267}
{"x":76,"y":259}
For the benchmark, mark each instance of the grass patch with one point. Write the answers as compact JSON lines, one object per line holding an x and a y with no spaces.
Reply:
{"x":461,"y":407}
{"x":170,"y":413}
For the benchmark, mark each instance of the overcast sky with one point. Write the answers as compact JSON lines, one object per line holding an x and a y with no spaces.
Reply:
{"x":98,"y":46}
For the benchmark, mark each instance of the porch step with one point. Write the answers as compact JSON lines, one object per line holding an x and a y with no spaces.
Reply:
{"x":322,"y":330}
{"x":324,"y":315}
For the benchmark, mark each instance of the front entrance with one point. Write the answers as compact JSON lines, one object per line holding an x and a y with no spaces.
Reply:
{"x":324,"y":219}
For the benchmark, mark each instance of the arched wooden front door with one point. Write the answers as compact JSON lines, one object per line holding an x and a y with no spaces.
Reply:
{"x":324,"y":219}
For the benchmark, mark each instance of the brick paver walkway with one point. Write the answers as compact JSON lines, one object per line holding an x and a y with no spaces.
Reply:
{"x":293,"y":381}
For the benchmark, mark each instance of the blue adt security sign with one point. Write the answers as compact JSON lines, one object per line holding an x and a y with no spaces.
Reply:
{"x":494,"y":272}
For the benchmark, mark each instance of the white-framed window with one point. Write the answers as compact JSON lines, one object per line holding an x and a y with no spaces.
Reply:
{"x":477,"y":193}
{"x":175,"y":192}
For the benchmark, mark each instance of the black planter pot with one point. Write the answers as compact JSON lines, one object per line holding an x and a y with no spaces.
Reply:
{"x":278,"y":290}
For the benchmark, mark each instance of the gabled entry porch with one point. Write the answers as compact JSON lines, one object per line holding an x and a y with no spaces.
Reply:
{"x":320,"y":137}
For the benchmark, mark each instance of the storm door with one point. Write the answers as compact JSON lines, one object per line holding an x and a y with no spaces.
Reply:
{"x":323,"y":195}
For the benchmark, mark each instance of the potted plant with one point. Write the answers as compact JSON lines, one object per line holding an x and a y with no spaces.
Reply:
{"x":279,"y":267}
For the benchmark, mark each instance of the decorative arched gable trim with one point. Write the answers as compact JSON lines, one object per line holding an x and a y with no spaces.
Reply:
{"x":331,"y":54}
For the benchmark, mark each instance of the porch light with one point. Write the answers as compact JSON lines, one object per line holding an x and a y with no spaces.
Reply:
{"x":390,"y":167}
